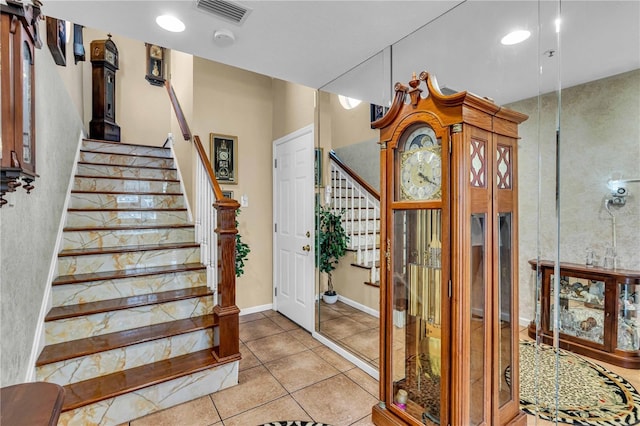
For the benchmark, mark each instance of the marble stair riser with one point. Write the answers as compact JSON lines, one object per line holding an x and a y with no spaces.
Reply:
{"x":98,"y":184}
{"x":122,"y":409}
{"x":363,"y":241}
{"x":125,"y":201}
{"x":372,"y":226}
{"x":125,"y":160}
{"x":368,"y":256}
{"x":94,"y":291}
{"x":102,"y":363}
{"x":67,"y":329}
{"x":126,"y":149}
{"x":101,"y":218}
{"x":84,"y":264}
{"x":363,"y":214}
{"x":125,"y":172}
{"x":126,"y":237}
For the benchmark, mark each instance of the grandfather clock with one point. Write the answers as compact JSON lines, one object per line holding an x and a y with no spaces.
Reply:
{"x":449,"y":279}
{"x":19,"y":38}
{"x":104,"y":62}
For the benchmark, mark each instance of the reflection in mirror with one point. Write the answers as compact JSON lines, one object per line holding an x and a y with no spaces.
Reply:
{"x":582,"y":132}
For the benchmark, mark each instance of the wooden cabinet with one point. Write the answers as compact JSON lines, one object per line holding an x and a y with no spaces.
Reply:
{"x":449,"y":278}
{"x":599,"y":311}
{"x":18,"y":40}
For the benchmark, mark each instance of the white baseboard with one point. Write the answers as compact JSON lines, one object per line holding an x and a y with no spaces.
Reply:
{"x":254,"y":309}
{"x":359,"y":306}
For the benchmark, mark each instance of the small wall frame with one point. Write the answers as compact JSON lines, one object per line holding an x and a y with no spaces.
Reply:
{"x":224,"y":157}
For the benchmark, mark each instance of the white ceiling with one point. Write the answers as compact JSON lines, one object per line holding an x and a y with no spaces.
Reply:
{"x":315,"y":42}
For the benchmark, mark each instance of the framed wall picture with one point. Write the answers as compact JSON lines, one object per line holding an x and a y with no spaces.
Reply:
{"x":377,"y":112}
{"x":317,"y":166}
{"x":224,"y":157}
{"x":227,"y":194}
{"x":57,"y":40}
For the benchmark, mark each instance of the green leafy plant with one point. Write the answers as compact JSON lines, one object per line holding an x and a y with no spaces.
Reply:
{"x":331,"y":242}
{"x":242,"y":250}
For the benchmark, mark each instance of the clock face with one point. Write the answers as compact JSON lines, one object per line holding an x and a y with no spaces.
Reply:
{"x":224,"y":155}
{"x":155,"y":52}
{"x":421,"y":174}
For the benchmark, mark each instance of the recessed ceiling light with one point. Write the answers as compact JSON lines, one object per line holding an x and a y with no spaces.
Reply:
{"x":515,"y":37}
{"x":170,"y":23}
{"x":348,"y":103}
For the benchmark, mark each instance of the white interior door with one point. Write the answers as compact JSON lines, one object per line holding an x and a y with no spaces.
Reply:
{"x":294,"y":248}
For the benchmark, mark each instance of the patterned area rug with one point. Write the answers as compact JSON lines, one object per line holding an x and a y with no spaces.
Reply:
{"x":589,"y":394}
{"x":294,"y":423}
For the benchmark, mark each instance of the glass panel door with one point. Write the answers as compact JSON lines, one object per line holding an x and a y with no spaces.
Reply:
{"x":417,"y":361}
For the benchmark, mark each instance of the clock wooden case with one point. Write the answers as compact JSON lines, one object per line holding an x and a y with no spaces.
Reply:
{"x":449,"y":278}
{"x":19,"y":38}
{"x":104,"y":62}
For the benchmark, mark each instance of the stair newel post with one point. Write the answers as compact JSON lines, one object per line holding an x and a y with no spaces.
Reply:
{"x":226,"y":312}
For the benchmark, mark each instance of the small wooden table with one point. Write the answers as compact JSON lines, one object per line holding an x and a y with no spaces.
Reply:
{"x":31,"y":404}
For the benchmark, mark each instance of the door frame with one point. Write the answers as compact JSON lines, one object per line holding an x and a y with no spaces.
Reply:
{"x":309,"y":319}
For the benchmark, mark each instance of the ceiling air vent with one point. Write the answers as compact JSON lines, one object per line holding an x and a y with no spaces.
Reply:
{"x":228,"y":10}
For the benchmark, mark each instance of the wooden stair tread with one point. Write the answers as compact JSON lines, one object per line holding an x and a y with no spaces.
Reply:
{"x":129,"y":209}
{"x":77,"y":191}
{"x":92,"y":163}
{"x":126,"y":249}
{"x":124,"y":143}
{"x":100,"y":388}
{"x":89,"y":308}
{"x":125,"y":154}
{"x":127,"y":273}
{"x":376,"y":284}
{"x":357,"y":265}
{"x":106,"y":342}
{"x":126,"y":178}
{"x":127,"y":227}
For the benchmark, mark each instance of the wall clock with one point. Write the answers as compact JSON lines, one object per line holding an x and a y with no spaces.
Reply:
{"x":155,"y":65}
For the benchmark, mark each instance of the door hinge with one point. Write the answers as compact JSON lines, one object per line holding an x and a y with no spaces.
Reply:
{"x":275,"y":163}
{"x":275,"y":227}
{"x":449,"y":288}
{"x":276,"y":291}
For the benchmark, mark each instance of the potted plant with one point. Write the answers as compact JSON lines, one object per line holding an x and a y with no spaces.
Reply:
{"x":331,"y":245}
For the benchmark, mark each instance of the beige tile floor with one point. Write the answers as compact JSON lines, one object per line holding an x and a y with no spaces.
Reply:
{"x":285,"y":374}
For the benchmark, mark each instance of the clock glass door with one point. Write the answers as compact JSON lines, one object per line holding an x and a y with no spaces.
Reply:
{"x":418,"y":362}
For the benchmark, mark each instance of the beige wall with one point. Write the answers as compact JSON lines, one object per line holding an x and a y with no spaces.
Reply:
{"x":142,"y":111}
{"x":293,"y":107}
{"x":231,"y":101}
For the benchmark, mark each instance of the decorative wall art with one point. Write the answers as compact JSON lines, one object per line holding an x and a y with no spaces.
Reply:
{"x":224,"y":157}
{"x":155,"y":65}
{"x":56,"y":40}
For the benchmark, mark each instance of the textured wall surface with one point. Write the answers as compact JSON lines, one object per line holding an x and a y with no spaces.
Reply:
{"x":28,"y":231}
{"x":599,"y":138}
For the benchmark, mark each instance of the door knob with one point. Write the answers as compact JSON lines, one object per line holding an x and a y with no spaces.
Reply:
{"x":306,"y":248}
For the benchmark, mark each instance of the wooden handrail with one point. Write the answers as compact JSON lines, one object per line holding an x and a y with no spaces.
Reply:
{"x":207,"y":166}
{"x":354,"y":175}
{"x":182,"y":121}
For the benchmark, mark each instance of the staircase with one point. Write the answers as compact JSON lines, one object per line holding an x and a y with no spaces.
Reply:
{"x":131,"y":329}
{"x":361,"y":220}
